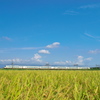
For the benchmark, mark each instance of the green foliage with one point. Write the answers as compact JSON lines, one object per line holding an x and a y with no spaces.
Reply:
{"x":49,"y":85}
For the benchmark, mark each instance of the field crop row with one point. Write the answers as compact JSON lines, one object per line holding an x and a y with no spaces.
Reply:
{"x":49,"y":85}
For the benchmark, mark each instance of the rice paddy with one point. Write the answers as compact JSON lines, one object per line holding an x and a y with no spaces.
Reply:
{"x":49,"y":85}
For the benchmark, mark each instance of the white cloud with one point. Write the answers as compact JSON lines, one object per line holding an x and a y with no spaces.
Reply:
{"x":89,"y":59}
{"x":80,"y":60}
{"x":63,"y":62}
{"x":68,"y":62}
{"x":44,"y":51}
{"x":94,"y":51}
{"x":53,"y":45}
{"x":90,"y":6}
{"x":37,"y":58}
{"x":34,"y":60}
{"x":80,"y":57}
{"x":71,"y":12}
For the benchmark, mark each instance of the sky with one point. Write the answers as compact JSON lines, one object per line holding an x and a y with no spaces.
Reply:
{"x":58,"y":32}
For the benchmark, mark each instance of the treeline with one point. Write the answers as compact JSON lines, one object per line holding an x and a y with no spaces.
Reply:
{"x":98,"y":68}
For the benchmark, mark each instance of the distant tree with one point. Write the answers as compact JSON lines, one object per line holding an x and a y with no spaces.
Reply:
{"x":47,"y":64}
{"x":75,"y":64}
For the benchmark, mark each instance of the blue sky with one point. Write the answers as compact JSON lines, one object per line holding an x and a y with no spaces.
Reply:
{"x":60,"y":32}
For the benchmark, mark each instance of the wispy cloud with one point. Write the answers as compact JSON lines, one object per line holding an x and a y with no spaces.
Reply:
{"x":3,"y":50}
{"x":91,"y":36}
{"x":53,"y":45}
{"x":23,"y":48}
{"x":60,"y":63}
{"x":9,"y":61}
{"x":89,"y":6}
{"x":27,"y":48}
{"x":5,"y":38}
{"x":71,"y":12}
{"x":63,"y":62}
{"x":89,"y":59}
{"x":97,"y":51}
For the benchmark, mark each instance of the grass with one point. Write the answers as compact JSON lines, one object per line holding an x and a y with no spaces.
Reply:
{"x":49,"y":85}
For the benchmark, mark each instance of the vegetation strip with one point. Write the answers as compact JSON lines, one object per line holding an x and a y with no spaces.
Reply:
{"x":49,"y":85}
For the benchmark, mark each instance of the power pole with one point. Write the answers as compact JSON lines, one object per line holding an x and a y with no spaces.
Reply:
{"x":12,"y":63}
{"x":47,"y":64}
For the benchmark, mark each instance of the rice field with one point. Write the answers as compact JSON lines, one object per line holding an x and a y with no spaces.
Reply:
{"x":49,"y":85}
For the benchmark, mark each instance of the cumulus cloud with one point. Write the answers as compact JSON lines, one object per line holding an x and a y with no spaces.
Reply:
{"x":68,"y":62}
{"x":44,"y":51}
{"x":34,"y":60}
{"x":80,"y":57}
{"x":53,"y":45}
{"x":94,"y":51}
{"x":37,"y":58}
{"x":81,"y":60}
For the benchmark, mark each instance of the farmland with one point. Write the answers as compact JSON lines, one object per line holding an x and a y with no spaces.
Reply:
{"x":49,"y":85}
